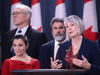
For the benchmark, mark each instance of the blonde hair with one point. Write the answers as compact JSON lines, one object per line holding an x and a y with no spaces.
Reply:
{"x":77,"y":21}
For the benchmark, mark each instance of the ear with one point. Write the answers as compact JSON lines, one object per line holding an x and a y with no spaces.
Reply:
{"x":27,"y":45}
{"x":27,"y":16}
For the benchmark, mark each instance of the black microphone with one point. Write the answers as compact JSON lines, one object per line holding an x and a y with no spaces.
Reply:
{"x":57,"y":64}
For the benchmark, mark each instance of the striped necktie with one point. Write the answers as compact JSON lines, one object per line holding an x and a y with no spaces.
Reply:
{"x":57,"y":55}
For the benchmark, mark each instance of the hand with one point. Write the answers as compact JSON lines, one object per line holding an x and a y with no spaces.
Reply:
{"x":81,"y":63}
{"x":54,"y":64}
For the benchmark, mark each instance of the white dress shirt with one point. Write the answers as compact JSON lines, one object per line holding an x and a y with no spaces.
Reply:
{"x":56,"y":46}
{"x":23,"y":30}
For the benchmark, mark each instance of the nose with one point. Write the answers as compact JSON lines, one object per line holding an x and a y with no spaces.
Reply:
{"x":58,"y":30}
{"x":17,"y":48}
{"x":69,"y":28}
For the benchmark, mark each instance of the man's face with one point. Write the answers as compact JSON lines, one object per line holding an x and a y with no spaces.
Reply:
{"x":58,"y":31}
{"x":19,"y":16}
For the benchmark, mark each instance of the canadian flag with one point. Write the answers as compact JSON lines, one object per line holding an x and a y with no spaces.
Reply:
{"x":90,"y":20}
{"x":60,"y":9}
{"x":13,"y":4}
{"x":36,"y":21}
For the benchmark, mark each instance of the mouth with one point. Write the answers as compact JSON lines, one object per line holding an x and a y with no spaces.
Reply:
{"x":17,"y":52}
{"x":58,"y":34}
{"x":70,"y":32}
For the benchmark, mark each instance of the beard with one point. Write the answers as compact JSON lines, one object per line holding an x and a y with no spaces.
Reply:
{"x":60,"y":37}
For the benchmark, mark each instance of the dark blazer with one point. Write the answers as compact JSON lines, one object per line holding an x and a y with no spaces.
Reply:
{"x":89,"y":49}
{"x":36,"y":39}
{"x":46,"y":51}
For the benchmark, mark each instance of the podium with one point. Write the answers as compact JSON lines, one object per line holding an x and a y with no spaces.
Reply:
{"x":50,"y":71}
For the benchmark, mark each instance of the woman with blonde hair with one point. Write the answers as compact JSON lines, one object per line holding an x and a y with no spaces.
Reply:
{"x":79,"y":52}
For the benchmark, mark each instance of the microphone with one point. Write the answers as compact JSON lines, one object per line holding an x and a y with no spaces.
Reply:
{"x":57,"y":64}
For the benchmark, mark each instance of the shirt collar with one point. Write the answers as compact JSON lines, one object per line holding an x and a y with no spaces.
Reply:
{"x":23,"y":30}
{"x":56,"y":42}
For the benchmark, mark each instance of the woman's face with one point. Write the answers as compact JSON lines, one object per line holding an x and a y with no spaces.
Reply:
{"x":72,"y":29}
{"x":19,"y":47}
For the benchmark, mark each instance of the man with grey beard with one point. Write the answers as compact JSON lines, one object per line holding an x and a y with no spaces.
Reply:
{"x":49,"y":50}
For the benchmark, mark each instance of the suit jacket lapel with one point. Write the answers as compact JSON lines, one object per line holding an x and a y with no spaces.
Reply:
{"x":52,"y":49}
{"x":82,"y":48}
{"x":28,"y":32}
{"x":62,"y":52}
{"x":13,"y":33}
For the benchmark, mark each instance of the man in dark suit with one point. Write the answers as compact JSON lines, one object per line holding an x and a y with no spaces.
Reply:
{"x":21,"y":18}
{"x":49,"y":50}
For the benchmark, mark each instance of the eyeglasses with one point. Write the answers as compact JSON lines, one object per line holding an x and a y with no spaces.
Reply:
{"x":16,"y":13}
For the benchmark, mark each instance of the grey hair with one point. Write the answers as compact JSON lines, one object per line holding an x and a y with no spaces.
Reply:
{"x":78,"y":21}
{"x":26,"y":8}
{"x":56,"y":19}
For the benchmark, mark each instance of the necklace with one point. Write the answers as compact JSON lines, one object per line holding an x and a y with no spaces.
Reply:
{"x":24,"y":59}
{"x":75,"y":47}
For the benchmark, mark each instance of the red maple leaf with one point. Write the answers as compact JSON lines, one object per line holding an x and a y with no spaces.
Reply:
{"x":91,"y":35}
{"x":39,"y":29}
{"x":31,"y":26}
{"x":85,"y":1}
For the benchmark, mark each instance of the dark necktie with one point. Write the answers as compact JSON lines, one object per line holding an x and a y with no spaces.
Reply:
{"x":19,"y":31}
{"x":12,"y":50}
{"x":57,"y":55}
